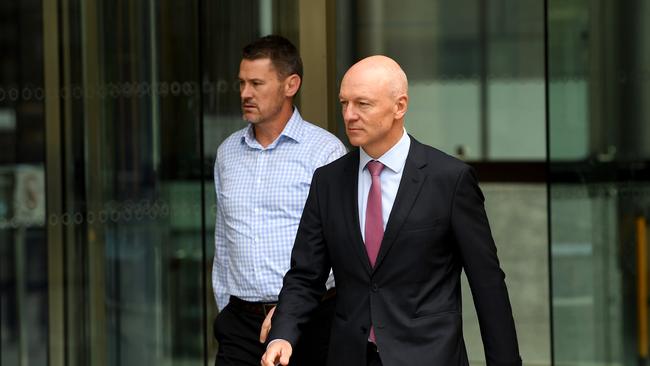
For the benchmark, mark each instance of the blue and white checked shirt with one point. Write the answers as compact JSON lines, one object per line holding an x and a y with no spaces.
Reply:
{"x":260,"y":196}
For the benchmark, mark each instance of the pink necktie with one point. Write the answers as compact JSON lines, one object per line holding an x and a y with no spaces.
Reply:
{"x":374,"y":229}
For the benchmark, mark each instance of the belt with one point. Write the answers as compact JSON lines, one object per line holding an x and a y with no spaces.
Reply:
{"x":263,"y":308}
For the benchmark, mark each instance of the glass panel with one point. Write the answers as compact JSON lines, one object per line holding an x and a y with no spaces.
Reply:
{"x":133,"y":239}
{"x":515,"y":117}
{"x":143,"y":115}
{"x":137,"y":254}
{"x":477,"y":90}
{"x":587,"y":280}
{"x":598,"y":62}
{"x":23,"y":239}
{"x":518,"y":219}
{"x":441,"y":60}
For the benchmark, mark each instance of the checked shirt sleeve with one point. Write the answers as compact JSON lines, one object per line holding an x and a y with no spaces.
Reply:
{"x":220,"y":263}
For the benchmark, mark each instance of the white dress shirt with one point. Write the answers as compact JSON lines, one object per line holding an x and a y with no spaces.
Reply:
{"x":394,"y":160}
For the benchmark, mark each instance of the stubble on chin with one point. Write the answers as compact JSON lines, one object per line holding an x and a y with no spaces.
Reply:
{"x":250,"y":117}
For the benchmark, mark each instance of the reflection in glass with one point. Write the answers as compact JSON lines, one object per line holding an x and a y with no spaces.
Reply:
{"x":599,"y":180}
{"x":23,"y":239}
{"x":476,"y":72}
{"x":132,"y":210}
{"x":138,"y":190}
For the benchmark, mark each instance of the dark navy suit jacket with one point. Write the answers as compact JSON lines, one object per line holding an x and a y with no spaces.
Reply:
{"x":436,"y":229}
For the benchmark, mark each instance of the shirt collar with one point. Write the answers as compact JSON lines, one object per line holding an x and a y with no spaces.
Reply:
{"x":294,"y":130}
{"x":394,"y":159}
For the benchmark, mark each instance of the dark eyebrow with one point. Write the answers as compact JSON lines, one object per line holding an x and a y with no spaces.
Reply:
{"x":251,"y":80}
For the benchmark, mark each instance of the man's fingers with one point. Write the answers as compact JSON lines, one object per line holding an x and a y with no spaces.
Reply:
{"x":268,"y":359}
{"x":284,"y":358}
{"x":278,"y":351}
{"x":266,"y":326}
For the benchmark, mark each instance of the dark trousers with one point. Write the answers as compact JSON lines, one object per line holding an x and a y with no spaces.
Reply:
{"x":238,"y":333}
{"x":372,"y":356}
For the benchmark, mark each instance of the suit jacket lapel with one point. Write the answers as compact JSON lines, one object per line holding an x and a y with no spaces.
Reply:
{"x":413,"y":178}
{"x":351,"y":209}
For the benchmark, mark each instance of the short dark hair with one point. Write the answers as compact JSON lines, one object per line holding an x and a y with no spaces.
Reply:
{"x":283,"y":54}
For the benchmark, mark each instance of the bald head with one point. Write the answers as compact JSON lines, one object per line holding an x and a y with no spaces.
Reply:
{"x":374,"y":100}
{"x":383,"y":70}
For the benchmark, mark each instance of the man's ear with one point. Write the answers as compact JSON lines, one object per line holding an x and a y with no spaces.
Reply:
{"x":291,"y":85}
{"x":401,"y":105}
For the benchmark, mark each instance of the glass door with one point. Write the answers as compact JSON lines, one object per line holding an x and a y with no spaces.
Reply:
{"x":598,"y":87}
{"x":138,"y":95}
{"x":130,"y":210}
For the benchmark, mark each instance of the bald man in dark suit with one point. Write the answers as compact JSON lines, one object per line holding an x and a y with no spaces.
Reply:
{"x":397,"y":221}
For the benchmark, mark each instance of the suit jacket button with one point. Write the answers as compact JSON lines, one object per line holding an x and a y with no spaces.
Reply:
{"x":375,"y":287}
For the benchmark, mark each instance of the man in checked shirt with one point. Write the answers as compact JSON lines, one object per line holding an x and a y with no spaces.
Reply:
{"x":262,"y":176}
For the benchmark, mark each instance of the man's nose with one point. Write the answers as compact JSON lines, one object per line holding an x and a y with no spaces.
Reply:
{"x":244,"y":91}
{"x":349,"y":114}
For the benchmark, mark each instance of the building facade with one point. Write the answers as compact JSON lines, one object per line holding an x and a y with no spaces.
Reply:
{"x":111,"y":112}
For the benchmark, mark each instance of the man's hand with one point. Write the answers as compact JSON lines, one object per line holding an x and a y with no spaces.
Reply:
{"x":278,"y":351}
{"x":266,"y":326}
